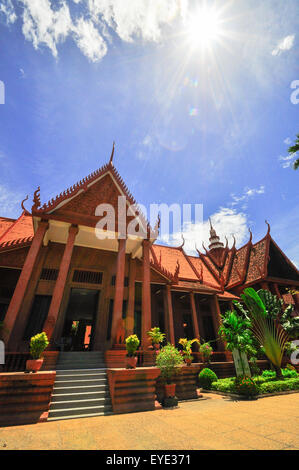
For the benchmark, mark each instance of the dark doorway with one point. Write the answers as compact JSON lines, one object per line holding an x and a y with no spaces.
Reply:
{"x":80,"y":319}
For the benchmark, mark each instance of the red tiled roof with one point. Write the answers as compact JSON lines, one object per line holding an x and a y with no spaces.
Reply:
{"x":170,"y":257}
{"x":5,"y":223}
{"x":19,"y":229}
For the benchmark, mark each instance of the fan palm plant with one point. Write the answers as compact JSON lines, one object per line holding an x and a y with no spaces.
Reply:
{"x":268,"y":331}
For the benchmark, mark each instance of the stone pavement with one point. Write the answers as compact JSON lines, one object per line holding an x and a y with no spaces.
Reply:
{"x":215,"y":423}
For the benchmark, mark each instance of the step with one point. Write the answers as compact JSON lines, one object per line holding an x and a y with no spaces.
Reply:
{"x":73,"y":365}
{"x":79,"y":389}
{"x":80,"y":372}
{"x":81,"y":353}
{"x":88,"y":415}
{"x":80,"y":396}
{"x":78,"y":382}
{"x":72,"y":377}
{"x":79,"y":411}
{"x":87,"y":365}
{"x":95,"y":402}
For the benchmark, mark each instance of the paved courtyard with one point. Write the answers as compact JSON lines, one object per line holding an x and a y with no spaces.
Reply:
{"x":214,"y":423}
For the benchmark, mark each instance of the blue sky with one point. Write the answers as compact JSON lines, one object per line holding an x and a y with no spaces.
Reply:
{"x":206,"y":122}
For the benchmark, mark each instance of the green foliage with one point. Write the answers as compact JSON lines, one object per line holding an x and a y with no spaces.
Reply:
{"x":155,"y":335}
{"x":206,"y":350}
{"x":292,"y":150}
{"x":224,"y":385}
{"x":187,"y":347}
{"x":235,"y":331}
{"x":246,"y":386}
{"x":279,"y":385}
{"x":169,"y":361}
{"x":272,"y":304}
{"x":286,"y":373}
{"x":132,"y":343}
{"x":38,"y":344}
{"x":262,"y":384}
{"x":290,"y":323}
{"x":206,"y":377}
{"x":255,"y":370}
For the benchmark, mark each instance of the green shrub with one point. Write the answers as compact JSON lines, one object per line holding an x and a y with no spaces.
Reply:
{"x":132,"y":343}
{"x":168,"y":360}
{"x":224,"y":385}
{"x":206,"y":377}
{"x":286,"y":373}
{"x":279,"y":385}
{"x":38,"y":344}
{"x":246,"y":386}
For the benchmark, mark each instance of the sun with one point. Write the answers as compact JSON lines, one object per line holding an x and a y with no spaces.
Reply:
{"x":204,"y":27}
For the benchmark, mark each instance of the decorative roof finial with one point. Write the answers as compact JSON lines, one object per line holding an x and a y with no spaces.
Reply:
{"x":214,"y":239}
{"x":268,"y":227}
{"x":112,"y":154}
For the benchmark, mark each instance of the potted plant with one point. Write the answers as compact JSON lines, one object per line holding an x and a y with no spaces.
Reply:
{"x":132,"y":343}
{"x":187,"y":349}
{"x":156,"y":337}
{"x":38,"y":344}
{"x":169,"y":361}
{"x":206,"y":351}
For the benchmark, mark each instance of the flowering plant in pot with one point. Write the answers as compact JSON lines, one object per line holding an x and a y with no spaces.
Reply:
{"x":206,"y":351}
{"x":38,"y":344}
{"x":187,"y":349}
{"x":169,"y":361}
{"x":156,"y":337}
{"x":132,"y":343}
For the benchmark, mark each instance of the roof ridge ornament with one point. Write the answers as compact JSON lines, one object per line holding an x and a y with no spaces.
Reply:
{"x":36,"y":199}
{"x":183,"y":243}
{"x":26,"y":212}
{"x":250,"y":237}
{"x":112,"y":154}
{"x":268,"y":227}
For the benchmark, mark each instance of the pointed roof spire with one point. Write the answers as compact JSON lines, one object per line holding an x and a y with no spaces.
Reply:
{"x":214,"y":239}
{"x":112,"y":154}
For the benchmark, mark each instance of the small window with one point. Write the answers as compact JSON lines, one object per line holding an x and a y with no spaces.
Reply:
{"x":88,"y":277}
{"x":49,"y":274}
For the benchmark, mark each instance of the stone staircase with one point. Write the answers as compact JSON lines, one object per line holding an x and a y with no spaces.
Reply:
{"x":81,"y":386}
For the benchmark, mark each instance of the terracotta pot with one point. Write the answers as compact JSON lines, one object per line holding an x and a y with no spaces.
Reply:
{"x":131,"y":362}
{"x":34,"y":365}
{"x":188,"y":362}
{"x":169,"y":390}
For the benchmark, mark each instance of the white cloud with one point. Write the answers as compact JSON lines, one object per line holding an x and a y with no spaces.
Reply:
{"x":46,"y":25}
{"x":288,"y":160}
{"x":226,"y":222}
{"x":89,"y":41}
{"x":142,"y":19}
{"x":8,"y":10}
{"x":248,"y":193}
{"x":284,"y":45}
{"x":42,"y":25}
{"x":287,"y":141}
{"x":10,"y":202}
